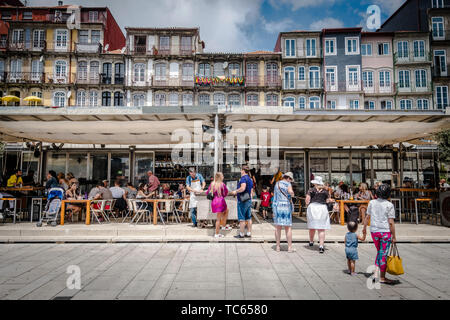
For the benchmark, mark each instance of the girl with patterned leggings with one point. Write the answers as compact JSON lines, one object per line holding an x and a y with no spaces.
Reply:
{"x":382,"y":228}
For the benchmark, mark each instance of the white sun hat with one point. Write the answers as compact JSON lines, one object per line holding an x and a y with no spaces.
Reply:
{"x":290,"y":175}
{"x":318,"y":181}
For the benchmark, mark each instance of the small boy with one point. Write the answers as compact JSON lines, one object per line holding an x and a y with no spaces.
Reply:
{"x":265,"y":201}
{"x":351,"y":246}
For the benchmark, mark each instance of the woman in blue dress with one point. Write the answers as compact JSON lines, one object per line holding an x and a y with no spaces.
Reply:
{"x":282,"y":209}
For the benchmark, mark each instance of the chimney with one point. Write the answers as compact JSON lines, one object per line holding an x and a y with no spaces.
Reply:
{"x":60,"y":3}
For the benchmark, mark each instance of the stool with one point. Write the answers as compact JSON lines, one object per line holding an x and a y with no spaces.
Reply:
{"x":425,"y":200}
{"x":39,"y":201}
{"x":399,"y":207}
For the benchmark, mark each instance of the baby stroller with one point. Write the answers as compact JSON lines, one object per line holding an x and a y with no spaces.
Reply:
{"x":53,"y":207}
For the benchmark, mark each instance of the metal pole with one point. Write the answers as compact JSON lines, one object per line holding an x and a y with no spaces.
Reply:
{"x":216,"y":143}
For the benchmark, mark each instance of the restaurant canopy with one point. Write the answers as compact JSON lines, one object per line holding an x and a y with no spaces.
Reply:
{"x":155,"y":125}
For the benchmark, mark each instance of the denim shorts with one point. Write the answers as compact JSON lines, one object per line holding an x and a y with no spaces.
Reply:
{"x":244,"y":210}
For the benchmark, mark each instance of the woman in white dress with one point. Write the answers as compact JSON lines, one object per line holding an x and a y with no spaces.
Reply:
{"x":317,"y":213}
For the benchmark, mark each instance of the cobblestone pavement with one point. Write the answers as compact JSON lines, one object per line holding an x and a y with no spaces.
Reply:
{"x":214,"y":271}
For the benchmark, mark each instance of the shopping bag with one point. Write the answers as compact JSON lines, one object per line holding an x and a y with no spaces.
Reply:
{"x":394,"y":262}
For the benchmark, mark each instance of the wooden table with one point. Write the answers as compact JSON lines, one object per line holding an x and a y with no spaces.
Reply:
{"x":155,"y":203}
{"x":342,"y":207}
{"x":84,"y":201}
{"x":21,"y":189}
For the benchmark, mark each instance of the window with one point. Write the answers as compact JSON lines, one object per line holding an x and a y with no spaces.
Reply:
{"x":93,"y":16}
{"x":367,"y":79}
{"x":60,"y":70}
{"x":310,"y":47}
{"x":437,"y":3}
{"x":59,"y":99}
{"x":160,"y":71}
{"x":383,"y":49}
{"x":173,"y":70}
{"x":386,"y":105}
{"x":234,"y":100}
{"x":314,"y":77}
{"x":302,"y":103}
{"x":406,"y":104}
{"x":138,"y":100}
{"x":93,"y":98}
{"x":289,"y":102}
{"x":173,"y":99}
{"x":160,"y":99}
{"x":6,"y":14}
{"x":330,"y":47}
{"x":118,"y":99}
{"x":17,"y":36}
{"x":331,"y":104}
{"x":106,"y":98}
{"x":188,"y":71}
{"x":234,"y":69}
{"x":252,"y":99}
{"x":422,"y":104}
{"x":354,"y":104}
{"x":186,"y":45}
{"x":83,"y":36}
{"x":219,"y":99}
{"x":139,"y":72}
{"x":38,"y":39}
{"x":187,"y":99}
{"x":369,"y":105}
{"x":203,"y":100}
{"x":28,"y":15}
{"x":402,"y":49}
{"x":272,"y":73}
{"x":204,"y":70}
{"x":16,"y":68}
{"x":271,"y":100}
{"x":314,"y":103}
{"x":218,"y":69}
{"x":330,"y":77}
{"x":385,"y":79}
{"x":403,"y":79}
{"x":289,"y":48}
{"x":94,"y":70}
{"x":352,"y":46}
{"x":437,"y":25}
{"x":289,"y":82}
{"x":82,"y":70}
{"x":421,"y":78}
{"x":81,"y":98}
{"x":252,"y":73}
{"x":366,"y":49}
{"x":95,"y":36}
{"x":37,"y":70}
{"x":353,"y":78}
{"x":441,"y":97}
{"x":419,"y":49}
{"x":440,"y":62}
{"x":301,"y":73}
{"x":61,"y":39}
{"x":164,"y":43}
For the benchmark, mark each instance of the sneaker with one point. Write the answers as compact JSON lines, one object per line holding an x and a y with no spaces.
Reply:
{"x":248,"y":235}
{"x":218,"y":235}
{"x":321,"y":250}
{"x":239,"y":236}
{"x":311,"y":244}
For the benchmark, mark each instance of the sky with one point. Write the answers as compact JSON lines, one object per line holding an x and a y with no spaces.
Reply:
{"x":239,"y":25}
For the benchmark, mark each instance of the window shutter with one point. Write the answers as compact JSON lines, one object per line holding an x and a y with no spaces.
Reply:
{"x":300,"y":47}
{"x":151,"y":43}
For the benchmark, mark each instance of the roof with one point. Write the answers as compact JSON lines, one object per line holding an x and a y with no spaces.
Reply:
{"x":341,"y":30}
{"x":261,"y":52}
{"x":395,"y":13}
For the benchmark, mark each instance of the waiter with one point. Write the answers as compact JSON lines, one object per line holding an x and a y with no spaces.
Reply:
{"x":195,"y":183}
{"x":153,"y":182}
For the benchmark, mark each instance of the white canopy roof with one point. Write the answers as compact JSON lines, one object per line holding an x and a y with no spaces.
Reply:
{"x":155,"y":125}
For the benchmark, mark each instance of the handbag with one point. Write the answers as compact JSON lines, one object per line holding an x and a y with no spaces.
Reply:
{"x":394,"y":262}
{"x":210,"y":196}
{"x":244,"y":196}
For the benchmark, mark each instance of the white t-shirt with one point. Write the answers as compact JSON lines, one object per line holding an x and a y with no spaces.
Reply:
{"x":117,"y":192}
{"x":380,"y":211}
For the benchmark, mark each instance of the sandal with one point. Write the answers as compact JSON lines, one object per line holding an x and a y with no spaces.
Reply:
{"x":278,"y":249}
{"x":292,"y":250}
{"x":388,"y":281}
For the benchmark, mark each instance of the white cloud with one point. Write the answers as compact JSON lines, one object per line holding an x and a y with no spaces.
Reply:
{"x":326,"y":23}
{"x":275,"y":27}
{"x":388,"y":7}
{"x":297,"y":4}
{"x":222,"y":23}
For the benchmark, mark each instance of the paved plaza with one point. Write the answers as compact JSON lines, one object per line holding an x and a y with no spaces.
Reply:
{"x":214,"y":271}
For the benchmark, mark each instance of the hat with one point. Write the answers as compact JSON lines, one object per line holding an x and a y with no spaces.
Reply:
{"x":318,"y":181}
{"x":290,"y":175}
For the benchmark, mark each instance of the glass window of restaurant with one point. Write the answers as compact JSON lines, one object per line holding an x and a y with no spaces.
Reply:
{"x":30,"y":162}
{"x":409,"y":169}
{"x":120,"y":167}
{"x":319,"y":165}
{"x":382,"y":166}
{"x":340,"y":168}
{"x":56,"y":161}
{"x":295,"y":163}
{"x":77,"y":165}
{"x":98,"y":166}
{"x":361,"y":168}
{"x":426,"y":170}
{"x":143,"y":162}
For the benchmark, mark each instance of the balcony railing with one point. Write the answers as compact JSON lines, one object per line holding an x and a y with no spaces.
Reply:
{"x":307,"y":84}
{"x":263,"y":81}
{"x":412,"y":88}
{"x":86,"y":78}
{"x":57,"y":78}
{"x":159,"y":81}
{"x":58,"y":46}
{"x":22,"y":77}
{"x":142,"y":49}
{"x":413,"y":57}
{"x":27,"y":45}
{"x":110,"y":79}
{"x":88,"y":47}
{"x":376,"y":88}
{"x":219,"y":81}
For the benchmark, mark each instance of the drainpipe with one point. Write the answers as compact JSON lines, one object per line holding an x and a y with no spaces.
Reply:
{"x":216,"y":143}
